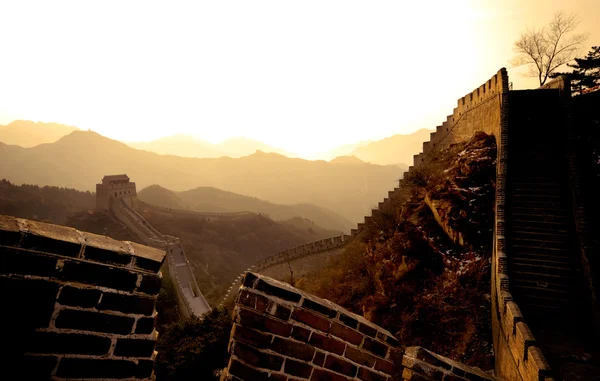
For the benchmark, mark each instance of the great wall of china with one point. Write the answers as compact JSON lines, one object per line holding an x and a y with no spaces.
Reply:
{"x":94,"y":298}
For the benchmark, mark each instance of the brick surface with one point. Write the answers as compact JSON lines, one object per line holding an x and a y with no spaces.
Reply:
{"x":277,"y":292}
{"x":367,"y":330}
{"x":360,"y":357}
{"x":340,"y":365}
{"x":129,"y":304}
{"x":328,"y":344}
{"x":297,"y":368}
{"x":134,"y":347}
{"x":150,"y":284}
{"x":94,"y":321}
{"x":375,"y":347}
{"x":318,"y":307}
{"x":95,"y":368}
{"x":319,"y":358}
{"x":249,"y":336}
{"x":79,"y":297}
{"x":311,"y":319}
{"x":144,"y":325}
{"x":301,"y":334}
{"x":367,"y":375}
{"x":17,"y":261}
{"x":68,"y":343}
{"x":106,"y":256}
{"x":264,"y":323}
{"x":246,"y":373}
{"x":293,"y":349}
{"x":345,"y":333}
{"x":100,"y":275}
{"x":255,"y":357}
{"x":325,"y":375}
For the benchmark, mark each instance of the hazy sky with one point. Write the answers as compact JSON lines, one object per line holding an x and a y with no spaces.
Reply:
{"x":305,"y":76}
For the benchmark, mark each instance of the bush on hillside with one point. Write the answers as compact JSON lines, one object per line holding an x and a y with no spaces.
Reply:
{"x":409,"y":275}
{"x":194,"y":349}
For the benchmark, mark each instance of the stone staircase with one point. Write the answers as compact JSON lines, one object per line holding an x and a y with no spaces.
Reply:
{"x":546,"y":278}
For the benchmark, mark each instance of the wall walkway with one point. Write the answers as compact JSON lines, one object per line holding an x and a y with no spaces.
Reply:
{"x":189,"y":297}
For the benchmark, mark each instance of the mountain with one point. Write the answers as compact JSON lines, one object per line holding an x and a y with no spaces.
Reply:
{"x":188,"y":146}
{"x":80,"y":160}
{"x":26,"y":133}
{"x":209,"y":199}
{"x":346,"y":160}
{"x":180,"y":145}
{"x":397,"y":149}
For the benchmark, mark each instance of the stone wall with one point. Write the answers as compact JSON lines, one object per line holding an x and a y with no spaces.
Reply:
{"x":190,"y":299}
{"x":282,"y":333}
{"x":207,"y":215}
{"x":300,"y":260}
{"x":76,"y":305}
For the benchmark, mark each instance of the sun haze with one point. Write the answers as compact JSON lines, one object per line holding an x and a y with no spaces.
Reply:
{"x":303,"y":76}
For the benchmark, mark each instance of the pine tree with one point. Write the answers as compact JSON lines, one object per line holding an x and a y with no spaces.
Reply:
{"x":586,"y":71}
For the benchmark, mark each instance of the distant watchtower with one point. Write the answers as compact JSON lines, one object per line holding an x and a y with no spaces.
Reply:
{"x":114,"y":186}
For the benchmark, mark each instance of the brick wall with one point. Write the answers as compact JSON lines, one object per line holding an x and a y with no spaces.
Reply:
{"x":300,"y":260}
{"x":75,"y":304}
{"x":282,"y":333}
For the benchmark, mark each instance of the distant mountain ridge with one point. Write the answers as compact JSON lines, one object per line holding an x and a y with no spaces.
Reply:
{"x":26,"y":133}
{"x":397,"y":149}
{"x":188,"y":146}
{"x":209,"y":199}
{"x":79,"y":160}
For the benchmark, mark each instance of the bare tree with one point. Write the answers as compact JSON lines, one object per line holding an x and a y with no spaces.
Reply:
{"x":546,"y":49}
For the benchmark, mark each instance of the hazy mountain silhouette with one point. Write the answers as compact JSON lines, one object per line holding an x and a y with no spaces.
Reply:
{"x":188,"y":146}
{"x":80,"y":160}
{"x":26,"y":133}
{"x":209,"y":199}
{"x":346,"y":160}
{"x":394,"y":150}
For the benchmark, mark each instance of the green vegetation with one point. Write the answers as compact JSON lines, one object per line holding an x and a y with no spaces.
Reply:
{"x":586,"y":71}
{"x":405,"y":272}
{"x":194,"y":349}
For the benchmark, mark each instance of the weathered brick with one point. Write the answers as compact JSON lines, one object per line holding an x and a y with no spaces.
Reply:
{"x":134,"y":348}
{"x":251,"y":337}
{"x":94,"y":321}
{"x":360,"y":357}
{"x":100,"y":275}
{"x":15,"y":261}
{"x":349,"y":321}
{"x":367,"y":330}
{"x":282,"y":312}
{"x":95,"y":368}
{"x":79,"y":297}
{"x":106,"y":256}
{"x":150,"y":284}
{"x":375,"y":347}
{"x":297,"y":368}
{"x":50,"y":245}
{"x":367,"y":375}
{"x":278,"y":292}
{"x":253,"y":300}
{"x":129,"y":304}
{"x":68,"y":343}
{"x":346,"y":333}
{"x":249,"y":280}
{"x":264,"y":323}
{"x":300,"y":334}
{"x":319,"y":358}
{"x":293,"y":349}
{"x":32,"y":303}
{"x":340,"y":366}
{"x":325,"y":375}
{"x":385,"y":366}
{"x":147,"y":264}
{"x":245,"y":372}
{"x":311,"y":319}
{"x":254,"y":357}
{"x":328,"y":344}
{"x":318,"y":307}
{"x":145,"y":325}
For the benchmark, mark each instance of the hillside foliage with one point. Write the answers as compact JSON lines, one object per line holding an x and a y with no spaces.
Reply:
{"x":405,"y":272}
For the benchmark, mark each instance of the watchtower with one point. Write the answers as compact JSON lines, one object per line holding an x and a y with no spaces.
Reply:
{"x":117,"y":186}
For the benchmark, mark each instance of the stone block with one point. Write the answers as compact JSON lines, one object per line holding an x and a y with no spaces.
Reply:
{"x":325,"y":375}
{"x":99,"y":275}
{"x":340,"y":365}
{"x":368,"y":375}
{"x":95,"y":368}
{"x":256,"y":358}
{"x":68,"y":343}
{"x":94,"y":321}
{"x":22,"y":262}
{"x":264,"y":323}
{"x":345,"y":333}
{"x":328,"y":344}
{"x":79,"y":297}
{"x":145,"y":325}
{"x":360,"y":357}
{"x":297,"y":368}
{"x":375,"y":347}
{"x":311,"y":319}
{"x":293,"y":349}
{"x":128,"y":304}
{"x":252,"y":337}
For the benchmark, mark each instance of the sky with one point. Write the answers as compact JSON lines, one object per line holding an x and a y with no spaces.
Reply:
{"x":305,"y":76}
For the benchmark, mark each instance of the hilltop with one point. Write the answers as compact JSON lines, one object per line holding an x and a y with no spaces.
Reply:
{"x":210,"y":199}
{"x":80,"y":159}
{"x":188,"y":146}
{"x":397,"y":149}
{"x":26,"y":133}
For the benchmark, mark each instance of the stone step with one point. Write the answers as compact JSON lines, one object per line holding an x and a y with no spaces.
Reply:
{"x":536,"y":216}
{"x":544,"y":250}
{"x":537,"y":257}
{"x":551,"y":236}
{"x":538,"y":243}
{"x":551,"y":299}
{"x":557,"y":281}
{"x":526,"y":226}
{"x":542,"y":269}
{"x":541,"y":285}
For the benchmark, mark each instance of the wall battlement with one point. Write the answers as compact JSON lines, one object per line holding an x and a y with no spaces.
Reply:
{"x":81,"y":305}
{"x":193,"y":213}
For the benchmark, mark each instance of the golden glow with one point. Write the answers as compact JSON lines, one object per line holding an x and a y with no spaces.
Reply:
{"x":305,"y":76}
